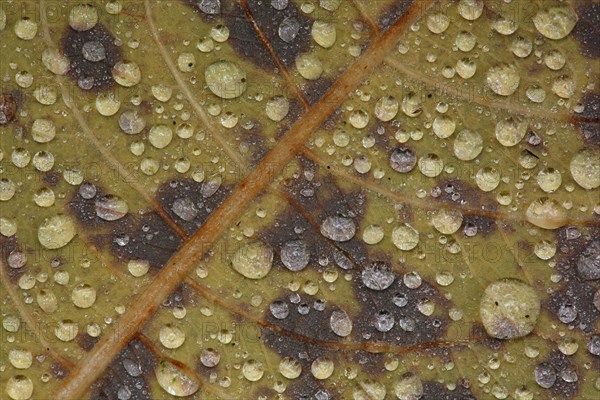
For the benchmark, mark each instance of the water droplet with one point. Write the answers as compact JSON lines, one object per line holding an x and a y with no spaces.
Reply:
{"x":438,"y":23}
{"x":386,"y":108}
{"x":563,"y":87}
{"x":593,"y":345}
{"x":93,"y":51}
{"x":20,"y":358}
{"x":47,"y":301}
{"x":546,"y":213}
{"x":323,"y":33}
{"x":66,"y":330}
{"x":162,"y":92}
{"x":186,"y":62}
{"x":340,"y":229}
{"x":504,"y":26}
{"x":588,"y":264}
{"x":470,"y":9}
{"x":465,"y":41}
{"x":509,"y":309}
{"x":549,"y":179}
{"x":412,"y":105}
{"x":279,"y":309}
{"x":295,"y":255}
{"x":111,"y":207}
{"x":225,"y":79}
{"x":585,"y":168}
{"x":555,"y":22}
{"x":510,"y":131}
{"x":56,"y":231}
{"x":545,"y":375}
{"x":253,"y":370}
{"x":340,"y":323}
{"x":405,"y":237}
{"x":19,"y":387}
{"x":378,"y":276}
{"x":384,"y":321}
{"x":83,"y":17}
{"x":131,"y":122}
{"x":160,"y":136}
{"x":373,"y":234}
{"x":403,"y":160}
{"x":7,"y":189}
{"x":43,"y":130}
{"x":185,"y":208}
{"x":466,"y":67}
{"x":322,"y":368}
{"x":544,"y":249}
{"x":175,"y":381}
{"x":210,"y":357}
{"x":487,"y":178}
{"x":83,"y":296}
{"x":25,"y":28}
{"x":126,"y":74}
{"x":409,"y":387}
{"x":253,"y":260}
{"x":443,"y":126}
{"x":290,"y":368}
{"x":431,"y":165}
{"x":503,"y":79}
{"x":288,"y":29}
{"x":171,"y":336}
{"x":555,"y":60}
{"x":277,"y":108}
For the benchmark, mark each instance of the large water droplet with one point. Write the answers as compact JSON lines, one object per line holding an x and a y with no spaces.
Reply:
{"x":555,"y":22}
{"x":340,"y":323}
{"x":174,"y":380}
{"x":509,"y":309}
{"x":340,"y":229}
{"x":55,"y":232}
{"x":225,"y":79}
{"x":253,"y":260}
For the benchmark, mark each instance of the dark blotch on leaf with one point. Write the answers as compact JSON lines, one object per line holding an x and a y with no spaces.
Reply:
{"x":86,"y":342}
{"x":573,"y":245}
{"x":58,"y":370}
{"x":566,"y":384}
{"x":457,"y":192}
{"x":393,"y":13}
{"x":411,"y":327}
{"x":485,"y":226}
{"x":8,"y":108}
{"x":130,"y":371}
{"x":7,"y":246}
{"x":315,"y":90}
{"x":246,"y":42}
{"x":586,"y":30}
{"x":145,"y":236}
{"x":89,"y":74}
{"x":590,"y":130}
{"x":437,"y":391}
{"x":192,"y":191}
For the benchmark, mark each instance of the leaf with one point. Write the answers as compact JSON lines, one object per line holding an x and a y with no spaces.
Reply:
{"x":332,"y":199}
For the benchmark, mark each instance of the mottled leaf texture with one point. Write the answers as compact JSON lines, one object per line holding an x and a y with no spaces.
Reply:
{"x":300,"y":199}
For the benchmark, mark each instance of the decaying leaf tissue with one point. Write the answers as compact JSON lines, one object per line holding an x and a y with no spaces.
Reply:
{"x":300,"y":199}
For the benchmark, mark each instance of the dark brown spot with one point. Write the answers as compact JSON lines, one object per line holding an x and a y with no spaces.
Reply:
{"x":58,"y":370}
{"x":8,"y":108}
{"x":571,"y":244}
{"x":437,"y":391}
{"x":590,"y":129}
{"x":315,"y":90}
{"x":586,"y":30}
{"x":455,"y":192}
{"x":182,"y":296}
{"x":145,"y":236}
{"x":87,"y":342}
{"x":51,"y":178}
{"x":393,"y":13}
{"x":562,"y":365}
{"x":171,"y":191}
{"x":7,"y":246}
{"x":410,"y":327}
{"x":485,"y":225}
{"x":129,"y":372}
{"x":88,"y":75}
{"x":478,"y":331}
{"x":248,"y":44}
